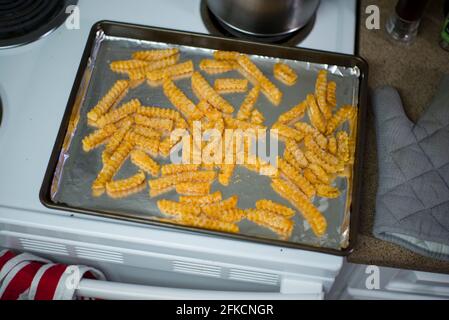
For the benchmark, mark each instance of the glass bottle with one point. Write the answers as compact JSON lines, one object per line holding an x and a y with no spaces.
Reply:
{"x":403,"y":25}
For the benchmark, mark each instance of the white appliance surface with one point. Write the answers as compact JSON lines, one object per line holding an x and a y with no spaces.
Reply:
{"x":35,"y":83}
{"x":392,"y":284}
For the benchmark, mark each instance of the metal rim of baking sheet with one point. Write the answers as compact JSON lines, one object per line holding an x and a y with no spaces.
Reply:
{"x":140,"y":32}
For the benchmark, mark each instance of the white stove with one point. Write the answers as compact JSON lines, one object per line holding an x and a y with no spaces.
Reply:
{"x":35,"y":83}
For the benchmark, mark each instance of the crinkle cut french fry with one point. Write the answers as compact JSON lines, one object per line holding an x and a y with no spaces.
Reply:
{"x":207,"y":223}
{"x":122,"y":188}
{"x":181,"y":123}
{"x":321,"y":94}
{"x":145,"y":162}
{"x":106,"y":155}
{"x":171,"y":180}
{"x":157,"y":54}
{"x":232,"y":123}
{"x":205,"y":92}
{"x":120,"y":154}
{"x":193,"y":188}
{"x":332,"y":94}
{"x":332,"y":145}
{"x":98,"y":137}
{"x":231,"y":216}
{"x":315,"y":115}
{"x":180,"y":100}
{"x":124,"y":127}
{"x":219,"y":125}
{"x":174,"y":71}
{"x":206,"y":124}
{"x":294,"y":114}
{"x":248,"y":104}
{"x":278,"y":224}
{"x":326,"y":191}
{"x":121,"y":66}
{"x":228,"y":85}
{"x":319,"y":173}
{"x":312,"y":146}
{"x":170,"y":169}
{"x":343,"y":146}
{"x":209,"y":111}
{"x":284,"y":73}
{"x":146,"y":144}
{"x":141,"y":73}
{"x":290,"y":158}
{"x":119,"y":113}
{"x":156,"y":112}
{"x":104,"y":176}
{"x":202,"y":200}
{"x":228,"y":204}
{"x":311,"y":177}
{"x":147,"y":132}
{"x":158,"y":192}
{"x":136,"y":74}
{"x":216,"y":66}
{"x":307,"y":129}
{"x":285,"y":132}
{"x":118,"y":136}
{"x":172,"y":208}
{"x":296,"y":178}
{"x":343,"y":114}
{"x":112,"y":96}
{"x":113,"y":164}
{"x":224,"y":177}
{"x":313,"y":158}
{"x":124,"y":122}
{"x":297,"y":153}
{"x":313,"y":216}
{"x":226,"y":55}
{"x":159,"y":124}
{"x":128,"y":192}
{"x":257,"y":117}
{"x":268,"y":205}
{"x":249,"y":69}
{"x":166,"y":146}
{"x":163,"y":63}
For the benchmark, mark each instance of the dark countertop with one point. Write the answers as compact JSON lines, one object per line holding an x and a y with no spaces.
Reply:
{"x":415,"y":71}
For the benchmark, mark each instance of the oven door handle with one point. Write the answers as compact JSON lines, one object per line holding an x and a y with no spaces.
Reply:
{"x":121,"y":291}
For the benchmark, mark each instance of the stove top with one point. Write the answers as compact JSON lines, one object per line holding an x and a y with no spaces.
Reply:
{"x":36,"y":80}
{"x":25,"y":21}
{"x":35,"y":84}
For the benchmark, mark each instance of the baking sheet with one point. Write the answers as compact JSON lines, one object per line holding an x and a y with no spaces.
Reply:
{"x":76,"y":170}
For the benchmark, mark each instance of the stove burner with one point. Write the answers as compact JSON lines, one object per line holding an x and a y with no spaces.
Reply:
{"x":24,"y":21}
{"x":217,"y":27}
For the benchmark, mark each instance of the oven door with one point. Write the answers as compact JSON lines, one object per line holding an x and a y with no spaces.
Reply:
{"x":148,"y":263}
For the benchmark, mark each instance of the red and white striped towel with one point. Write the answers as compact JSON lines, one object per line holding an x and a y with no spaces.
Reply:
{"x":28,"y":277}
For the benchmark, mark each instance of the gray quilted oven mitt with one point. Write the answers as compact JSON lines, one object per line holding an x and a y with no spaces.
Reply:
{"x":412,"y":207}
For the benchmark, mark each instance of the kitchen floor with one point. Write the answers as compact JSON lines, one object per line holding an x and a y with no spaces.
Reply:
{"x":415,"y":71}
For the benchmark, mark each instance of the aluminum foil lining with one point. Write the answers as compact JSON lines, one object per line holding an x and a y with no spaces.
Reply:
{"x":76,"y":170}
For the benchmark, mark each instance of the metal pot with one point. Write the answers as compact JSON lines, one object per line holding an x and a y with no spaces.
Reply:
{"x":264,"y":18}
